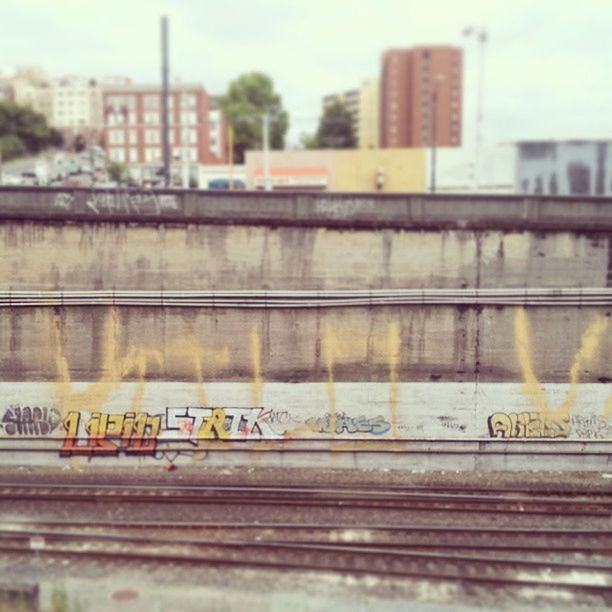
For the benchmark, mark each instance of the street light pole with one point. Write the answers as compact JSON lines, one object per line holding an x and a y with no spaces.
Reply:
{"x":266,"y":151}
{"x":165,"y":70}
{"x":433,"y":133}
{"x":432,"y":139}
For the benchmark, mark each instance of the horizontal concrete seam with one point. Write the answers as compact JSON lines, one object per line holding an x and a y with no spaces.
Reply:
{"x":591,"y":225}
{"x":592,"y":296}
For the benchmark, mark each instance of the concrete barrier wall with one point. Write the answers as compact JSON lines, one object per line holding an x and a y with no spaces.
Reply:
{"x":160,"y":382}
{"x":244,"y":242}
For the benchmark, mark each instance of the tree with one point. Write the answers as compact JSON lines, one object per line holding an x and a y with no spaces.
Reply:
{"x":117,"y":171}
{"x":20,"y":124}
{"x":79,"y":143}
{"x":336,"y":128}
{"x":11,"y":147}
{"x":308,"y":141}
{"x":247,"y":100}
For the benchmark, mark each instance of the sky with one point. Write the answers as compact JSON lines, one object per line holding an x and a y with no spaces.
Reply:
{"x":548,"y":64}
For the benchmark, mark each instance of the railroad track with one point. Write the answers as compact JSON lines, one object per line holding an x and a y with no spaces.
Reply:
{"x":572,"y":560}
{"x":591,"y":575}
{"x":594,"y":504}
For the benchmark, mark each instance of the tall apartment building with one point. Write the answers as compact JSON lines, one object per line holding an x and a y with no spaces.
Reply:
{"x":133,"y":127}
{"x":362,"y":103}
{"x":421,"y":97}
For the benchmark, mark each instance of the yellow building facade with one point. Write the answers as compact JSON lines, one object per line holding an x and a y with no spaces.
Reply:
{"x":347,"y":170}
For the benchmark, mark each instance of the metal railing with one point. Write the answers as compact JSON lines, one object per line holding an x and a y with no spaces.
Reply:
{"x":311,"y":299}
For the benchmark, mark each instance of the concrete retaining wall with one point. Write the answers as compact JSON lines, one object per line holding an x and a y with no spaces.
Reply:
{"x":518,"y":384}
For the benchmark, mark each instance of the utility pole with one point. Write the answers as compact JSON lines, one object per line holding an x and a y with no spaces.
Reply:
{"x":482,"y":37}
{"x":433,"y":134}
{"x":230,"y":152}
{"x":165,"y":144}
{"x":266,"y":151}
{"x":432,"y":139}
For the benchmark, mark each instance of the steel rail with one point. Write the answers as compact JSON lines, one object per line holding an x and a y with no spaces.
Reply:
{"x":587,"y":296}
{"x":405,"y":552}
{"x":326,"y":438}
{"x":440,"y":504}
{"x":338,"y":446}
{"x":144,"y":524}
{"x":595,"y":547}
{"x":537,"y":489}
{"x":286,"y":564}
{"x":317,"y":491}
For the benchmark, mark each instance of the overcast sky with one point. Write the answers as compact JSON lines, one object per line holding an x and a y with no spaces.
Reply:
{"x":548,"y":63}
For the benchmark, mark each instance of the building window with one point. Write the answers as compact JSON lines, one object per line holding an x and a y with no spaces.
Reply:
{"x":151,"y":118}
{"x":152,"y":102}
{"x":133,"y":155}
{"x":132,"y":136}
{"x":117,"y":155}
{"x":152,"y":154}
{"x":188,"y":100}
{"x":151,"y":137}
{"x":116,"y":137}
{"x":188,"y":118}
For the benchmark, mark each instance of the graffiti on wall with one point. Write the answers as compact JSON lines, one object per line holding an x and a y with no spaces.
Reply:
{"x":343,"y":423}
{"x":30,"y":421}
{"x":108,"y":434}
{"x":119,"y":201}
{"x":197,"y":423}
{"x":141,"y":433}
{"x":527,"y":425}
{"x":124,"y":412}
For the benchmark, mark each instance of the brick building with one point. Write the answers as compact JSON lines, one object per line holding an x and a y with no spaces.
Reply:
{"x":416,"y":83}
{"x":133,"y":127}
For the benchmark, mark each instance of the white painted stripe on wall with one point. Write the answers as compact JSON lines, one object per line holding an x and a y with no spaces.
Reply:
{"x":446,"y":411}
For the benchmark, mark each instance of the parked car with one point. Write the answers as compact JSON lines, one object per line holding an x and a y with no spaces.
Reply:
{"x":225,"y":184}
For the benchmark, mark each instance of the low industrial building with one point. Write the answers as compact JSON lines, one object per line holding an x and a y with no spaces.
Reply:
{"x":345,"y":170}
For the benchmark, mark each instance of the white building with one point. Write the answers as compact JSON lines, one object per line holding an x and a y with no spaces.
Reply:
{"x":77,"y":108}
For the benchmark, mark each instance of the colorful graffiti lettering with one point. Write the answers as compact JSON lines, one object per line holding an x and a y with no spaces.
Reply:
{"x":528,"y":425}
{"x":108,"y":434}
{"x":30,"y":421}
{"x":342,"y":423}
{"x":140,"y":433}
{"x":195,"y":423}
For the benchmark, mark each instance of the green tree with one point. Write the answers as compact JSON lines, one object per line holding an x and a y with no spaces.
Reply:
{"x":248,"y":98}
{"x":117,"y":171}
{"x":79,"y":143}
{"x":336,"y":128}
{"x":308,"y":141}
{"x":11,"y":147}
{"x":20,"y":123}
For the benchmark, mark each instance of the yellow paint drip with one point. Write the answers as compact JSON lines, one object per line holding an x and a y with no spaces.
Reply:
{"x":589,"y":344}
{"x":393,"y":352}
{"x":608,"y":408}
{"x":257,"y":386}
{"x":116,"y":368}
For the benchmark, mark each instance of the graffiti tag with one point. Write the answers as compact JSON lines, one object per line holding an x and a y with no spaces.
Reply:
{"x":30,"y":421}
{"x":528,"y":425}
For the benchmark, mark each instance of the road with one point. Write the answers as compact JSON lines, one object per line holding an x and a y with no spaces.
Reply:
{"x":48,"y":165}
